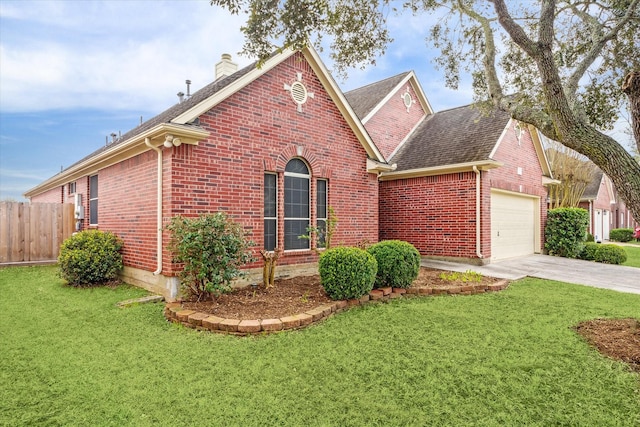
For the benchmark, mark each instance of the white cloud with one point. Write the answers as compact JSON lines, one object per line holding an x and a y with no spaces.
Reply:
{"x":110,"y":55}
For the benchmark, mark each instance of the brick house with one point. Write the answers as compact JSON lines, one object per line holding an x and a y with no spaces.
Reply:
{"x":274,"y":146}
{"x":606,"y":210}
{"x":465,"y":185}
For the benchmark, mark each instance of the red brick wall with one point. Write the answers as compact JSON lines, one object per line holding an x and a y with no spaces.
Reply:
{"x":436,"y":214}
{"x":52,"y":196}
{"x":516,"y":154}
{"x":257,"y":130}
{"x":392,"y":123}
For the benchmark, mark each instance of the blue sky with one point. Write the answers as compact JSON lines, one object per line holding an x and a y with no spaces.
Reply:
{"x":73,"y":72}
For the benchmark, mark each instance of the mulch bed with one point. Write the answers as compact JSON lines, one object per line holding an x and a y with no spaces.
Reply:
{"x":615,"y":338}
{"x":296,"y":295}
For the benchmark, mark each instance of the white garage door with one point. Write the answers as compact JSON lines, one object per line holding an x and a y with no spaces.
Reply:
{"x":514,"y":224}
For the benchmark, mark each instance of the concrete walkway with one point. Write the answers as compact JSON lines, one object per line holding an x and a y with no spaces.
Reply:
{"x":615,"y":277}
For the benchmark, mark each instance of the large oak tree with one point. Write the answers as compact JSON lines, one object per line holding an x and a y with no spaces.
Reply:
{"x":556,"y":64}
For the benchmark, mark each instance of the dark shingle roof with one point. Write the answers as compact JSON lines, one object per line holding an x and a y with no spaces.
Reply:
{"x":591,"y":191}
{"x":363,"y":100}
{"x":174,"y":111}
{"x":460,"y":135}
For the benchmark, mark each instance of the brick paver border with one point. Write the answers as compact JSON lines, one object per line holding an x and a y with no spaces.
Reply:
{"x":174,"y":312}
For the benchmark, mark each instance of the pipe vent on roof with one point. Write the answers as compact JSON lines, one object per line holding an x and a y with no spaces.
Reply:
{"x":225,"y":67}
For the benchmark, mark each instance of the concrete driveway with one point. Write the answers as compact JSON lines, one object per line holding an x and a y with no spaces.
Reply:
{"x":615,"y":277}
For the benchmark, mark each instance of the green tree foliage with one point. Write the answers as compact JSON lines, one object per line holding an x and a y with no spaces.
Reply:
{"x":398,"y":263}
{"x":347,"y":273}
{"x":90,"y":257}
{"x":212,"y":248}
{"x":566,"y":231}
{"x":556,"y":64}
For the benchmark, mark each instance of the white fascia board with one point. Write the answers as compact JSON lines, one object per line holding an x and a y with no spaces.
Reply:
{"x":542,"y":156}
{"x":440,"y":170}
{"x":502,"y":135}
{"x":122,"y":151}
{"x":204,"y":106}
{"x":341,"y":102}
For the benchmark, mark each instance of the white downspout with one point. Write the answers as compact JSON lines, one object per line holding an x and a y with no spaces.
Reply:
{"x":159,"y":207}
{"x":478,"y":224}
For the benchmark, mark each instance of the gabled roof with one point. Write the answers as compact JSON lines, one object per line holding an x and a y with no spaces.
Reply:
{"x":593,"y":188}
{"x":463,"y":135}
{"x":366,"y":100}
{"x":179,"y":120}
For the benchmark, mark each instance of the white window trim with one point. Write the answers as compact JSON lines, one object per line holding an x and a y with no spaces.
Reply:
{"x":272,"y":217}
{"x":308,"y":177}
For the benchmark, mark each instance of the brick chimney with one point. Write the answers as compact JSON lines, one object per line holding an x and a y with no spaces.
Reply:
{"x":225,"y":67}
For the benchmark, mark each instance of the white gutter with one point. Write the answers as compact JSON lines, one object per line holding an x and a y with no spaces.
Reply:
{"x":147,"y":141}
{"x":478,"y":243}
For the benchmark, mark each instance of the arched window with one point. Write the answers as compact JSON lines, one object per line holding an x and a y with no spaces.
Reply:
{"x":297,"y":213}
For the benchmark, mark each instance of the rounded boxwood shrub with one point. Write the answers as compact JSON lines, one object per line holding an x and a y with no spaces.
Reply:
{"x":610,"y":254}
{"x":398,"y":263}
{"x":621,"y":234}
{"x":90,"y":257}
{"x":589,"y":251}
{"x":347,"y":273}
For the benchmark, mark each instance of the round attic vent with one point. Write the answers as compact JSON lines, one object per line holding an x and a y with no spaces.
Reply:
{"x":299,"y":93}
{"x":406,"y":98}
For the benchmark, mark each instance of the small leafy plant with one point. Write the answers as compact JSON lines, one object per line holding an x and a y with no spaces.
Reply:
{"x":212,"y":249}
{"x":323,"y":235}
{"x":90,"y":257}
{"x":467,"y":276}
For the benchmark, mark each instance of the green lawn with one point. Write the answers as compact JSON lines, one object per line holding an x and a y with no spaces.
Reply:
{"x":71,"y":357}
{"x":633,"y":256}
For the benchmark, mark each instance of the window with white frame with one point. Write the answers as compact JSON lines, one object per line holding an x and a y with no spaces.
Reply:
{"x":270,"y":211}
{"x":321,"y":211}
{"x":297,"y":215}
{"x":93,"y":200}
{"x":71,"y":188}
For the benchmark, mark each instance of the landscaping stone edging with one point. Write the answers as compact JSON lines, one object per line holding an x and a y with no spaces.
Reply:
{"x":174,"y":312}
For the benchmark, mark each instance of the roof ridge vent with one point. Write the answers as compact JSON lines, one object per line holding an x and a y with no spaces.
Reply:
{"x":226,"y":66}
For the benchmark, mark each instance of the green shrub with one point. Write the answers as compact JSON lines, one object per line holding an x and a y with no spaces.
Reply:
{"x":565,"y":232}
{"x":621,"y":234}
{"x":347,"y":273}
{"x":212,"y":248}
{"x":590,"y":238}
{"x":90,"y":257}
{"x":610,"y":254}
{"x":398,"y":263}
{"x":589,"y":250}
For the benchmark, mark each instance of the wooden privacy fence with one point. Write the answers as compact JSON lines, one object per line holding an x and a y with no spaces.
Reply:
{"x":33,"y":231}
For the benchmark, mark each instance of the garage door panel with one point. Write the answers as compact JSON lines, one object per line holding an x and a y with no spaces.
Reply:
{"x":513,"y":225}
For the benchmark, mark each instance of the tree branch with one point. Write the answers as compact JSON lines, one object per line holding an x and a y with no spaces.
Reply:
{"x":489,"y":58}
{"x":573,"y":82}
{"x":518,"y":35}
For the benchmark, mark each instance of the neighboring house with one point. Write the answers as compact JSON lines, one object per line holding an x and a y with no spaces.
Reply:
{"x":465,"y":185}
{"x":274,"y":146}
{"x":606,"y":210}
